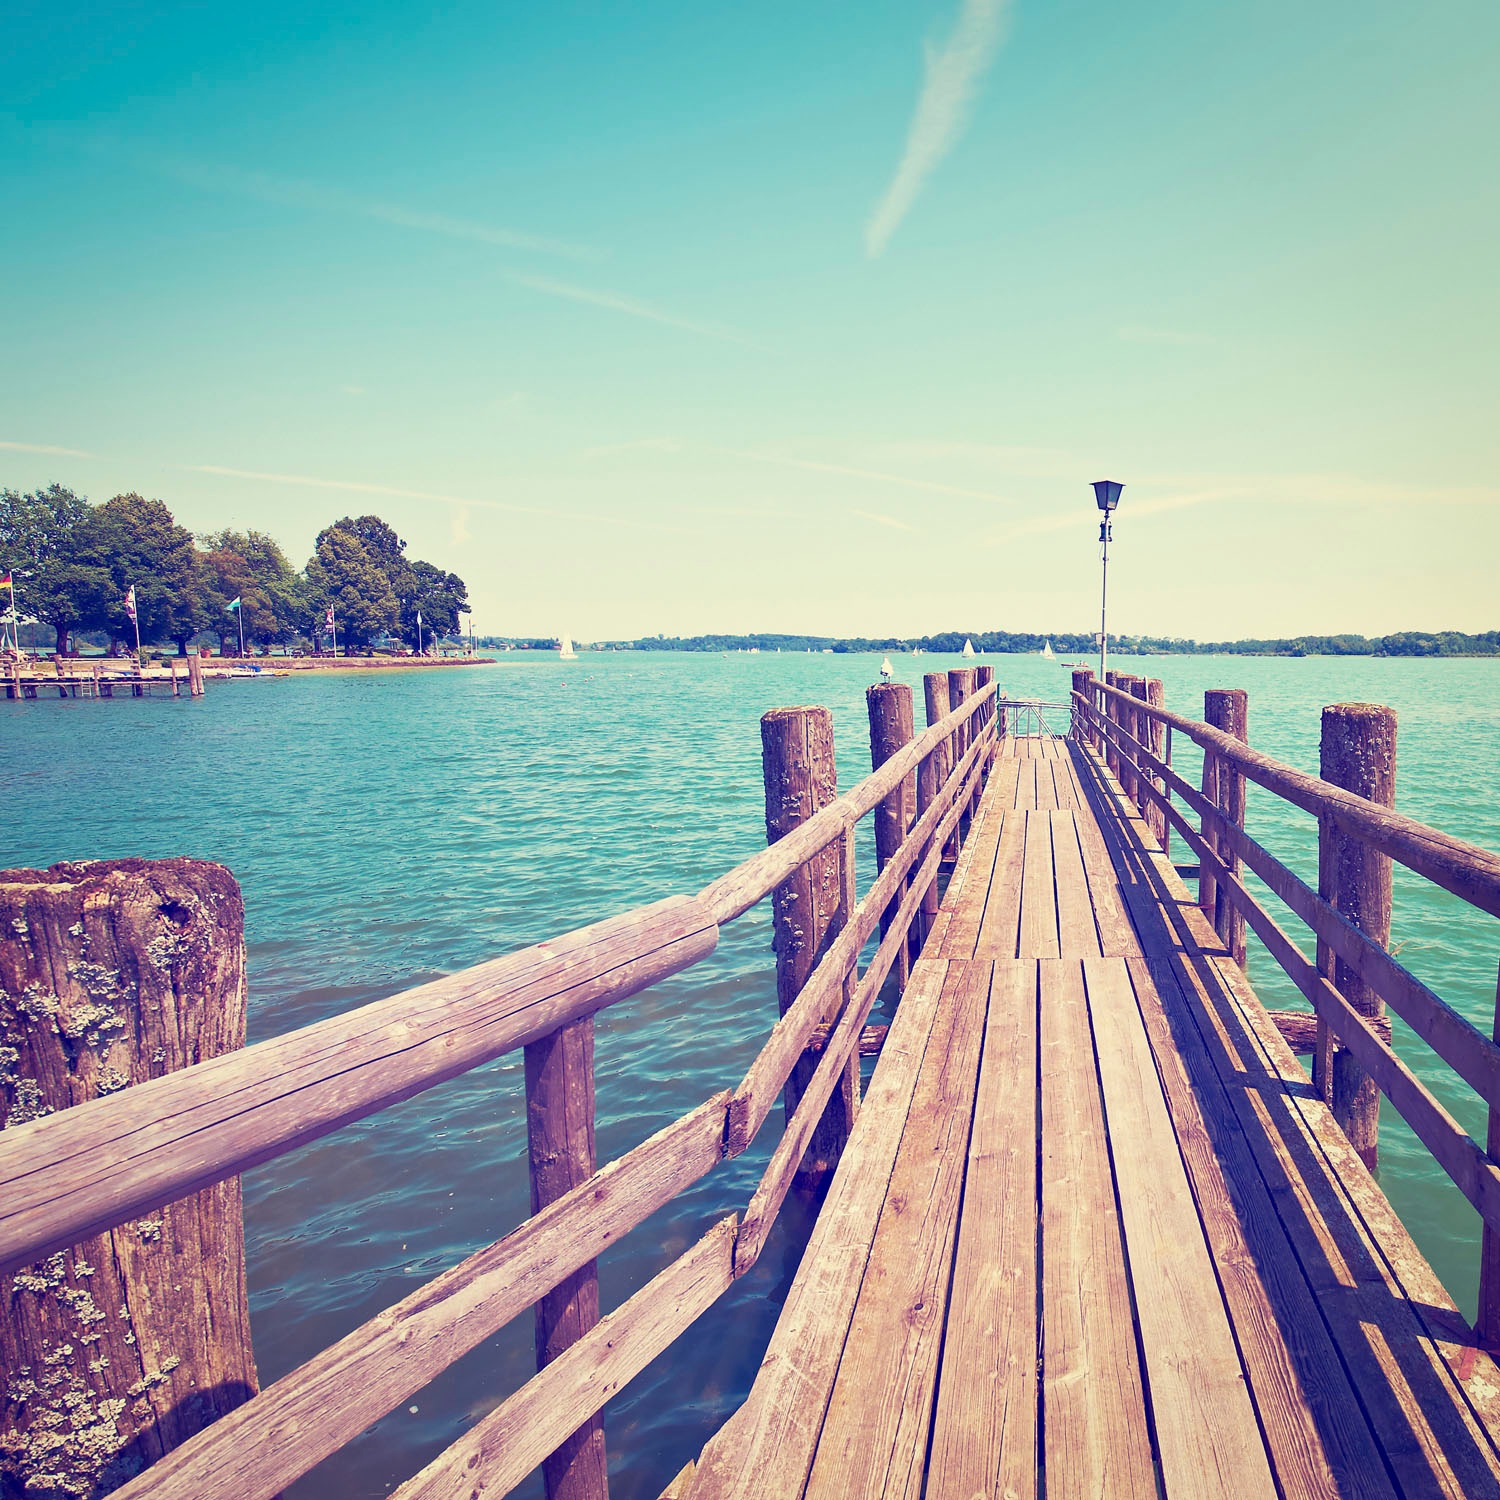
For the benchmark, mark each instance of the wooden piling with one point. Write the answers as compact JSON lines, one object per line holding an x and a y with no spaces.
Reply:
{"x":1129,"y":724}
{"x":119,"y":1349}
{"x":809,"y":909}
{"x":960,"y":689}
{"x":935,"y":690}
{"x":889,"y":705}
{"x":1357,"y":752}
{"x":983,"y":677}
{"x":195,"y":675}
{"x":1155,"y":733}
{"x":560,"y":1143}
{"x":1083,"y":682}
{"x":1112,"y":713}
{"x":1226,"y":709}
{"x":1487,"y":1319}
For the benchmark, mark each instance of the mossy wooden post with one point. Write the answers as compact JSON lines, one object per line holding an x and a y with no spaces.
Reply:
{"x":560,"y":1145}
{"x":1226,"y":709}
{"x":960,"y":690}
{"x":809,"y":908}
{"x":891,"y":726}
{"x":983,"y":677}
{"x":935,"y":690}
{"x":119,"y":1349}
{"x":1358,"y":753}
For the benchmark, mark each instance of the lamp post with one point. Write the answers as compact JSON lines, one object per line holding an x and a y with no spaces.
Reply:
{"x":1107,"y":496}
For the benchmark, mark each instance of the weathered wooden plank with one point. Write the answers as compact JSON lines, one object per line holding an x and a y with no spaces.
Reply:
{"x":1117,"y":936}
{"x":1207,"y":1438}
{"x":493,"y":1457}
{"x":767,"y":1446}
{"x":984,"y":843}
{"x":88,"y":1168}
{"x":1038,"y":931}
{"x":984,"y":1437}
{"x":874,"y":1438}
{"x":1046,"y":786}
{"x":1096,"y":1433}
{"x":1077,"y":934}
{"x":1320,"y":1443}
{"x":1000,"y":927}
{"x":258,"y":1450}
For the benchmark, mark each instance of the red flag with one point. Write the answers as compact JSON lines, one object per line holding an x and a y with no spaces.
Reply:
{"x":330,"y":617}
{"x":130,"y":602}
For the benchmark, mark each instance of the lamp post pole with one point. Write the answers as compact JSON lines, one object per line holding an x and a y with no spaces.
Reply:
{"x":1107,"y":497}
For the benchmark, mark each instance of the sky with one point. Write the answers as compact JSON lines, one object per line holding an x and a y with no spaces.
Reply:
{"x":678,"y":318}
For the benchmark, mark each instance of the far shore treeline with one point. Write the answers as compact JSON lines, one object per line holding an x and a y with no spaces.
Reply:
{"x":1072,"y":646}
{"x":73,"y":562}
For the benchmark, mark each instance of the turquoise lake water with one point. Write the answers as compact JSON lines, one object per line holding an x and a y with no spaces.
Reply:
{"x":387,"y":829}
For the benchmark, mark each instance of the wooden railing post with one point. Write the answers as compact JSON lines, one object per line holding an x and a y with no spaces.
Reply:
{"x":560,"y":1142}
{"x":1358,"y":753}
{"x":983,"y":677}
{"x":1083,"y":682}
{"x":1112,"y":713}
{"x":891,"y":727}
{"x":1129,"y":724}
{"x":935,"y":689}
{"x":960,"y":689}
{"x":1226,"y":709}
{"x":1487,"y":1319}
{"x":810,"y":907}
{"x":1155,"y":736}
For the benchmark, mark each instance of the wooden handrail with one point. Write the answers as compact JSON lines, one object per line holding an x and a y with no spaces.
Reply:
{"x":1451,"y":1146}
{"x":1468,"y":871}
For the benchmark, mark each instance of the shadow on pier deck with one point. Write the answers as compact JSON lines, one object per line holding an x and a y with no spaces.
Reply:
{"x":1094,"y":1234}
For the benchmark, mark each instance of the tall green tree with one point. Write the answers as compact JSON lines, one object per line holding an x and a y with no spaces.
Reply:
{"x":438,"y":595}
{"x":251,"y":567}
{"x":143,"y":547}
{"x":50,"y":543}
{"x":342,"y":573}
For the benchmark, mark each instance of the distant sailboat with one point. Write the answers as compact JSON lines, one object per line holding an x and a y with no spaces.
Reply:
{"x":1048,"y":652}
{"x":968,"y":648}
{"x":565,"y":651}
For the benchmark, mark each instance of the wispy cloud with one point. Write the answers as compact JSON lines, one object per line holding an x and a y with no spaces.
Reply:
{"x":266,"y":187}
{"x":614,"y":302}
{"x":1082,"y":515}
{"x":879,"y":520}
{"x":950,"y":84}
{"x":932,"y":486}
{"x":636,"y":445}
{"x":45,"y":448}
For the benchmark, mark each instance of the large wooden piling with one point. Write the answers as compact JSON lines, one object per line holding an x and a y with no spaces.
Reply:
{"x":195,"y":675}
{"x":960,"y":689}
{"x":1226,"y":709}
{"x":935,"y":691}
{"x":810,"y":907}
{"x":1155,"y":734}
{"x":1112,"y":713}
{"x":1083,"y":682}
{"x":1487,"y":1319}
{"x":119,"y":1349}
{"x":560,"y":1146}
{"x":983,"y":677}
{"x":1357,"y":752}
{"x":1129,"y":722}
{"x":891,"y":727}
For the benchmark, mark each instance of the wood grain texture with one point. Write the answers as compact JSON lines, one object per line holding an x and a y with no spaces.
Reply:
{"x":984,"y":1437}
{"x":1038,"y":934}
{"x":874,"y":1438}
{"x":1096,"y":1434}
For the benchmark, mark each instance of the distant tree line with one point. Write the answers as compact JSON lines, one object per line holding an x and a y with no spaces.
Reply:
{"x":73,"y":563}
{"x":1082,"y":646}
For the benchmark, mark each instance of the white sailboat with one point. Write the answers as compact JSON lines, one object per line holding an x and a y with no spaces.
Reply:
{"x":968,"y":648}
{"x":1048,"y":652}
{"x":565,"y":651}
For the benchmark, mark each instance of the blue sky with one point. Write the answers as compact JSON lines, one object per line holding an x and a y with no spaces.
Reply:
{"x":669,"y":318}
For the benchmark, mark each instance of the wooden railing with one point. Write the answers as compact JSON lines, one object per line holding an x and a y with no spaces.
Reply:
{"x":88,"y":1168}
{"x":1352,"y":976}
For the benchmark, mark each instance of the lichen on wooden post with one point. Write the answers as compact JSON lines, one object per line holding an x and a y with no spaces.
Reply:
{"x":119,"y":1349}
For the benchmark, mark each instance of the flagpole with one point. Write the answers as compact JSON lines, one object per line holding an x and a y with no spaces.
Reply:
{"x":15,"y":614}
{"x":333,"y":625}
{"x":239,"y":615}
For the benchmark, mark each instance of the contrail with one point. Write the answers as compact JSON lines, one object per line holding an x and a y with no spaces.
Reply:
{"x":952,"y":78}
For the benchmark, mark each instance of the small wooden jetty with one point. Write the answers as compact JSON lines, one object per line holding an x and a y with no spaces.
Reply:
{"x":70,"y":680}
{"x":1089,"y":1229}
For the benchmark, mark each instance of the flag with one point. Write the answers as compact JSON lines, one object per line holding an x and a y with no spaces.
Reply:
{"x":130,"y":601}
{"x":330,"y":617}
{"x":235,"y":602}
{"x":6,"y":583}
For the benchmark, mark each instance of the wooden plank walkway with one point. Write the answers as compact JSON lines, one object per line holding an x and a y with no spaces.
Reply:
{"x":1093,"y":1236}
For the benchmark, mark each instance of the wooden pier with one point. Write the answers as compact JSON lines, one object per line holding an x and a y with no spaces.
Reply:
{"x":70,"y":680}
{"x":1090,"y":1231}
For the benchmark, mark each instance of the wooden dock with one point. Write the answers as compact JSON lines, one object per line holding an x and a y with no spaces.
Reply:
{"x":1091,"y":1231}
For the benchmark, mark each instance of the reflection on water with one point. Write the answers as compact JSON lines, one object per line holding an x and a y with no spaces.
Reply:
{"x":387,"y":830}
